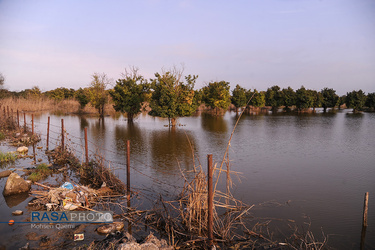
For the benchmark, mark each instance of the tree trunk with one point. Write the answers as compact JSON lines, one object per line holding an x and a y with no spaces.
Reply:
{"x":130,"y":117}
{"x":324,"y":109}
{"x":101,"y":111}
{"x":173,"y":122}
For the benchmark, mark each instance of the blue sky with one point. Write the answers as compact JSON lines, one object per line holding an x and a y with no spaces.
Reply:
{"x":256,"y":44}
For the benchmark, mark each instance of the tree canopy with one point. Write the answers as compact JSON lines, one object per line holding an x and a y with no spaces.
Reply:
{"x":273,"y":97}
{"x":171,"y":97}
{"x":288,"y":97}
{"x":82,"y":98}
{"x":356,"y":100}
{"x":329,"y":98}
{"x":216,"y":95}
{"x":370,"y":102}
{"x":129,"y":93}
{"x":239,"y":98}
{"x":97,"y":91}
{"x":304,"y":99}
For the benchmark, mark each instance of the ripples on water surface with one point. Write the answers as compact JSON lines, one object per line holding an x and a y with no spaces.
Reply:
{"x":322,"y":164}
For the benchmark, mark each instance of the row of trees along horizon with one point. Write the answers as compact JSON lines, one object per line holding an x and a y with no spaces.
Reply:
{"x":171,"y":95}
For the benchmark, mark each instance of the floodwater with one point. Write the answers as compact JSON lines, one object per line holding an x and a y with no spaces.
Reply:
{"x":311,"y":168}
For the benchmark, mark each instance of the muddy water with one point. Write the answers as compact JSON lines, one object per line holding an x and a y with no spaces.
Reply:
{"x":311,"y":168}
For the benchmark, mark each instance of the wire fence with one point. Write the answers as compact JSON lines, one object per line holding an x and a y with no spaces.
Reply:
{"x":54,"y":135}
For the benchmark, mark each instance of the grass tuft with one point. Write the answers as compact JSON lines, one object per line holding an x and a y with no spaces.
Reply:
{"x":7,"y":157}
{"x":41,"y":172}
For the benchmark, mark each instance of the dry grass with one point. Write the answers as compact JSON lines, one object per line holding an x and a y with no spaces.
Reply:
{"x":47,"y":104}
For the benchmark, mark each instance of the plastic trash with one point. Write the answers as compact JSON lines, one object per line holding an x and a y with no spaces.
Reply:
{"x":79,"y":237}
{"x":67,"y":185}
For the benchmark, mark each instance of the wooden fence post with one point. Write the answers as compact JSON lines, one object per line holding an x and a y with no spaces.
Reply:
{"x":48,"y":132}
{"x":86,"y":147}
{"x":128,"y":169}
{"x":210,"y":200}
{"x":62,"y":135}
{"x":18,"y":119}
{"x":24,"y":121}
{"x":32,"y":124}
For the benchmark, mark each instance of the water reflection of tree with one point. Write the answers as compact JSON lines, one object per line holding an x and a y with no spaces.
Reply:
{"x":213,"y":123}
{"x":131,"y":132}
{"x":83,"y":122}
{"x":171,"y":146}
{"x":98,"y":132}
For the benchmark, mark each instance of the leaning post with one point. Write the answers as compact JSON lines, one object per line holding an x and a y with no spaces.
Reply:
{"x":365,"y":210}
{"x":364,"y":221}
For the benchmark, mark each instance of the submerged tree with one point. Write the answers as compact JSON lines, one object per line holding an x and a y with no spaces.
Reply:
{"x":370,"y":102}
{"x":217,"y":95}
{"x":316,"y":98}
{"x":288,"y":97}
{"x":171,"y":97}
{"x":304,"y":99}
{"x":274,"y":97}
{"x":258,"y":98}
{"x":239,"y":98}
{"x":356,"y":100}
{"x":97,"y":92}
{"x":329,"y":98}
{"x":129,"y":93}
{"x":341,"y":101}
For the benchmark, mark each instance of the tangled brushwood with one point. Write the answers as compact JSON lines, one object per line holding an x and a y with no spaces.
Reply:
{"x":95,"y":173}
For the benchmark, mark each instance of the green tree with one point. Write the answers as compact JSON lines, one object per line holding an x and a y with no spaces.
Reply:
{"x":288,"y":97}
{"x":329,"y":98}
{"x":355,"y":100}
{"x":216,"y":95}
{"x":316,"y":98}
{"x":239,"y":98}
{"x":171,"y":97}
{"x":81,"y":96}
{"x":258,"y":100}
{"x":274,"y":97}
{"x":341,"y":101}
{"x":129,"y":93}
{"x":370,"y":102}
{"x":2,"y":81}
{"x":304,"y":99}
{"x":98,"y":95}
{"x":60,"y":94}
{"x":35,"y":93}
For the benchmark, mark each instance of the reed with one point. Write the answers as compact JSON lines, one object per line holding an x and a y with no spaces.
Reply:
{"x":42,"y":104}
